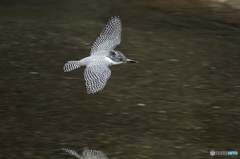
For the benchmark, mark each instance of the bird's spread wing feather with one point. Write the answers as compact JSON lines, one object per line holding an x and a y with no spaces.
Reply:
{"x":109,"y":38}
{"x":96,"y":75}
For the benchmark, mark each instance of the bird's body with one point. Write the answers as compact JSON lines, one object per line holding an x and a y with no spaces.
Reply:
{"x":102,"y":56}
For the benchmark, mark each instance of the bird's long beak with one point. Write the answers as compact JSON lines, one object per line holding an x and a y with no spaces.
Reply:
{"x":131,"y":61}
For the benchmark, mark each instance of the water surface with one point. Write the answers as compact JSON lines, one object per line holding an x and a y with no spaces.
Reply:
{"x":180,"y":100}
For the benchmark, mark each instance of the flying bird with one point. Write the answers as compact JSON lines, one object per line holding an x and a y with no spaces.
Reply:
{"x":102,"y":57}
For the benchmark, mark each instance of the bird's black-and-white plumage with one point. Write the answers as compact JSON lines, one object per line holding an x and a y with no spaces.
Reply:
{"x":109,"y":38}
{"x":102,"y":56}
{"x":87,"y":154}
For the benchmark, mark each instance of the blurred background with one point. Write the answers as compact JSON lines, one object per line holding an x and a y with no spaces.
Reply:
{"x":180,"y":101}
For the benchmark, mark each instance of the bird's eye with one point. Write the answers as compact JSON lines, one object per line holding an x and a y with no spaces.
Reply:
{"x":112,"y":53}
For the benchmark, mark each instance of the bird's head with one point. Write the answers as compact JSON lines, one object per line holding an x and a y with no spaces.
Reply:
{"x":118,"y":57}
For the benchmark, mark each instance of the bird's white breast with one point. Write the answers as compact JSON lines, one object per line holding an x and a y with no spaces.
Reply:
{"x":111,"y":61}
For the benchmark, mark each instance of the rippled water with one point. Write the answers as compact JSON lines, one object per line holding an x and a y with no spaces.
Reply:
{"x":180,"y":100}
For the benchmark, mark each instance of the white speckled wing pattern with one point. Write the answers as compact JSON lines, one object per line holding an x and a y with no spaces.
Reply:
{"x":109,"y":38}
{"x":96,"y":75}
{"x":88,"y":154}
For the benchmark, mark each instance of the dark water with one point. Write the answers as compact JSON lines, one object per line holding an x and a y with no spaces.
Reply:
{"x":180,"y":101}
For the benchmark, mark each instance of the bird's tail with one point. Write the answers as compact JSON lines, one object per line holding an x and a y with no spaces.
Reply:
{"x":74,"y":153}
{"x":71,"y":65}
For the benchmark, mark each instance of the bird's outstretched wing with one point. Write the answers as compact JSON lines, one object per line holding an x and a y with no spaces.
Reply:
{"x":96,"y":75}
{"x":109,"y":38}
